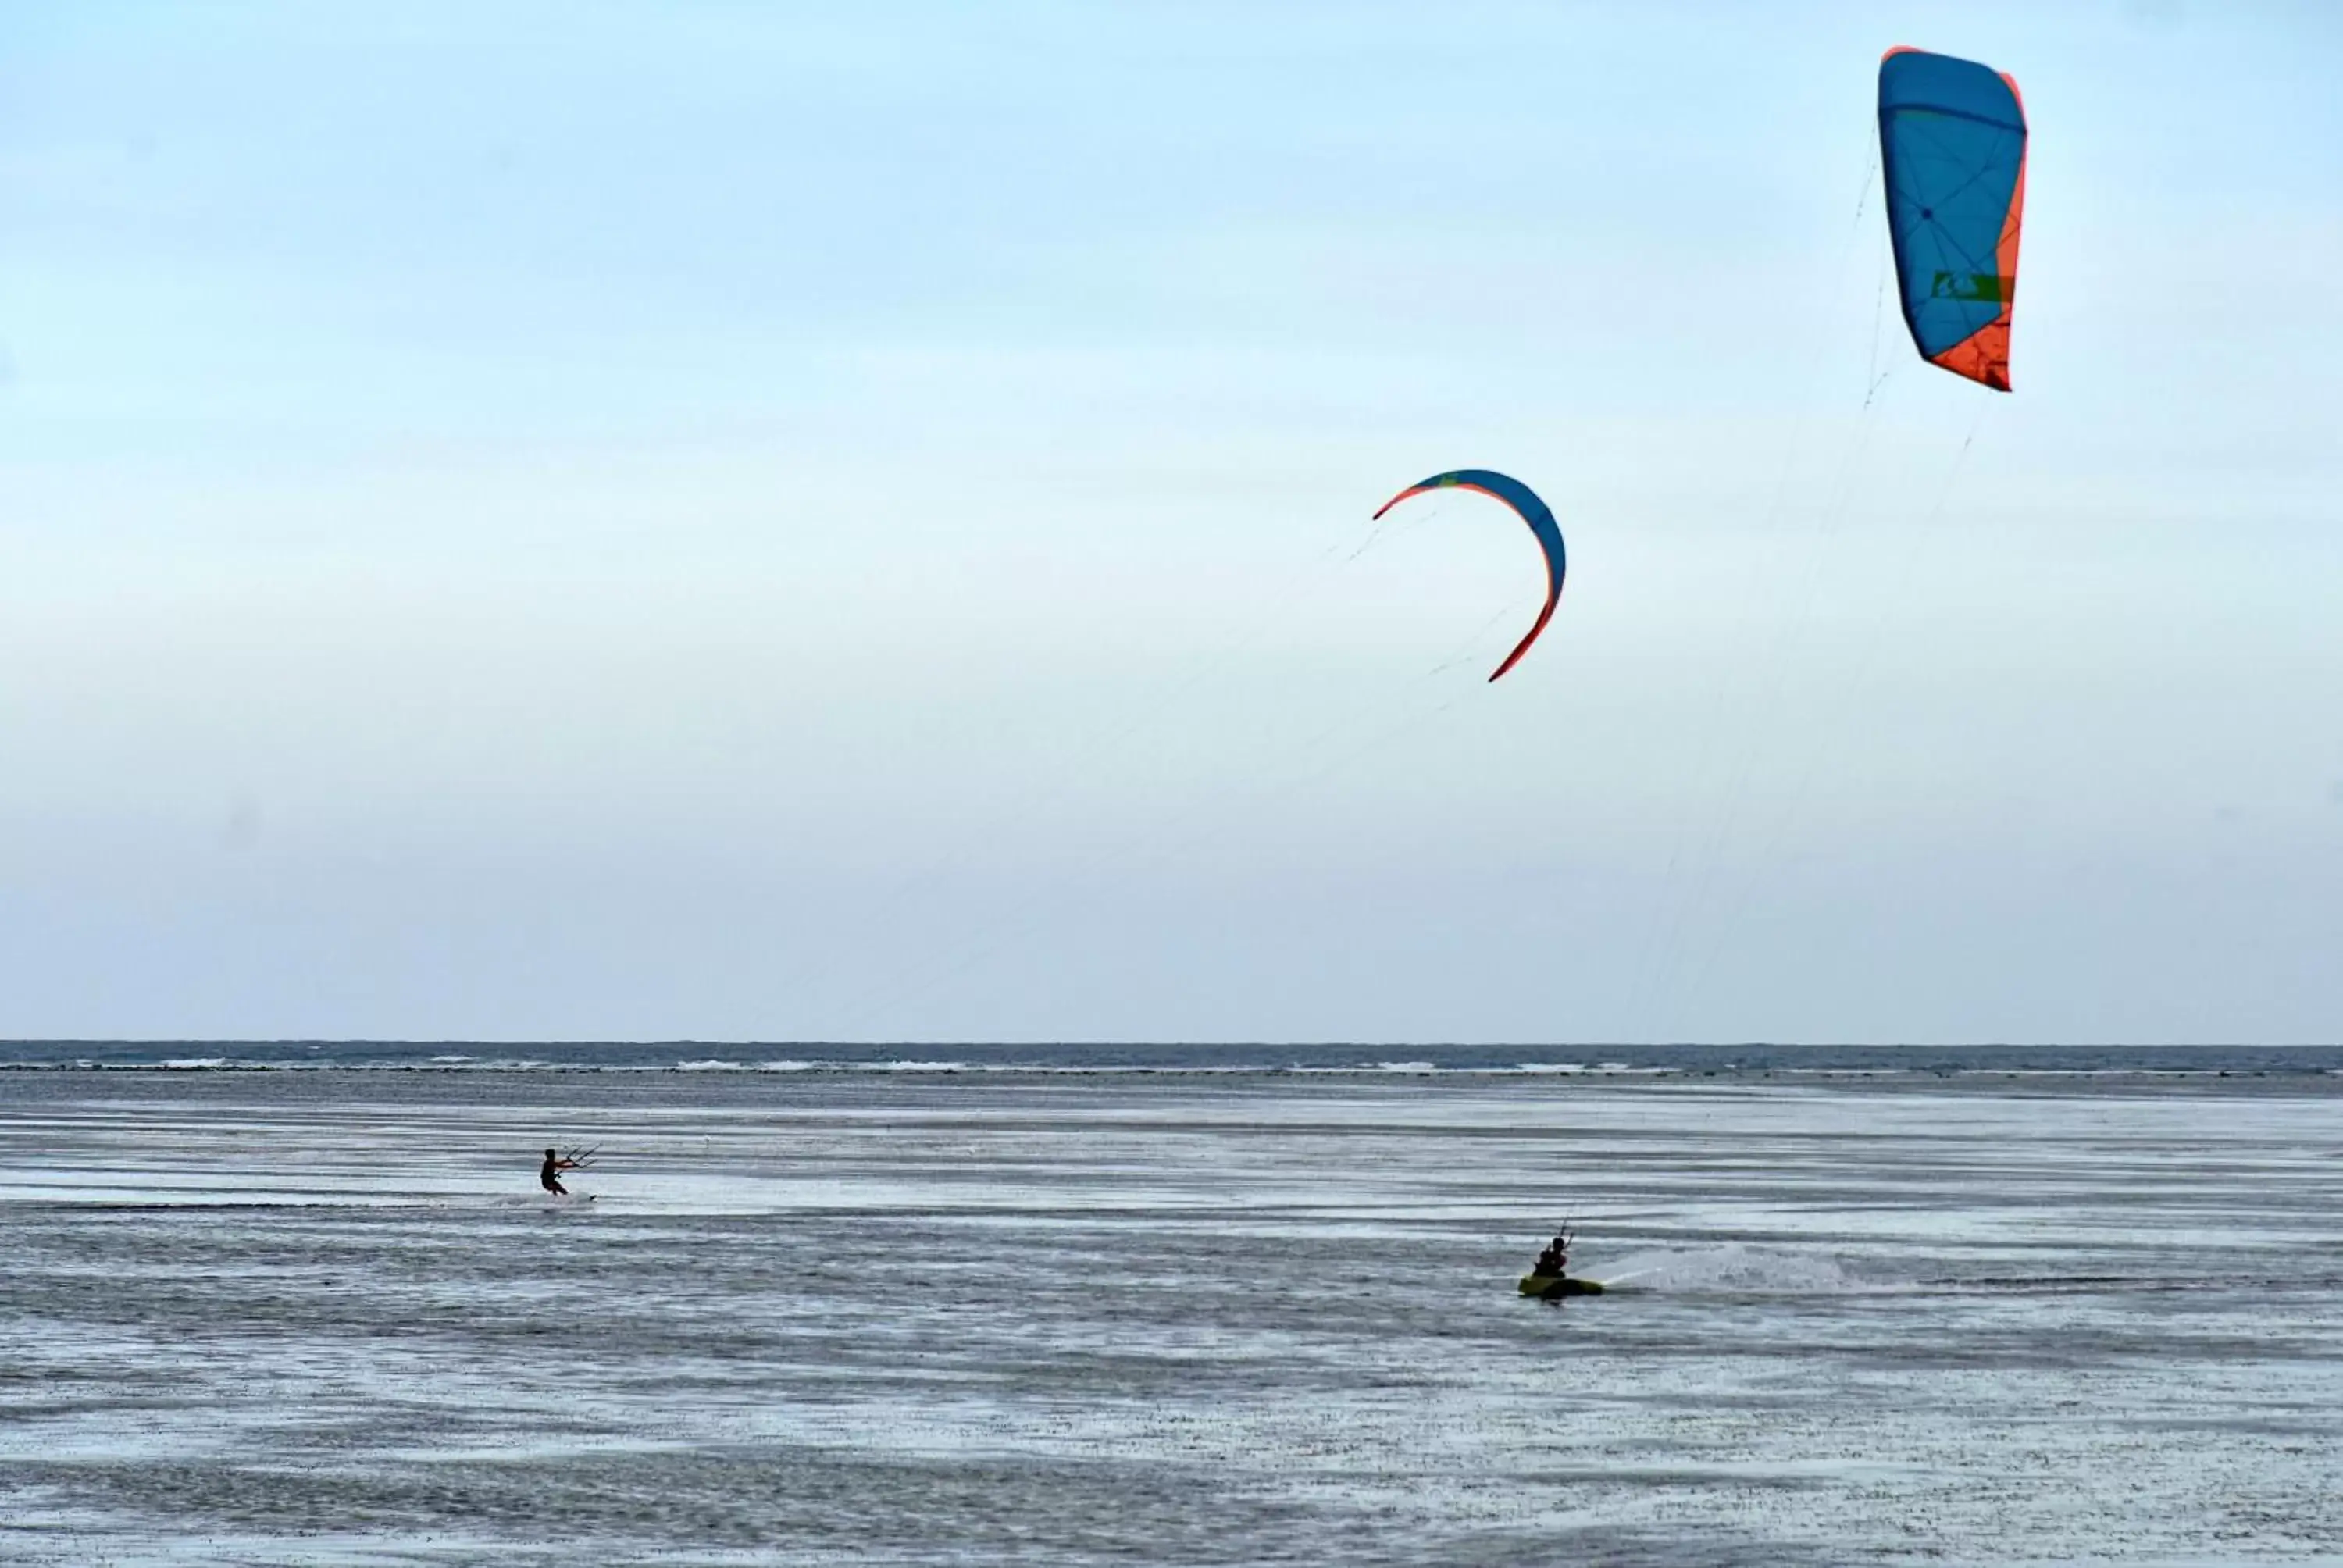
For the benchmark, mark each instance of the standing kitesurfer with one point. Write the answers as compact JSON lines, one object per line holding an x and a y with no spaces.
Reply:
{"x":549,"y":1176}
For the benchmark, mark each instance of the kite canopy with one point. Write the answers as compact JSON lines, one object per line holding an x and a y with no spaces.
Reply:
{"x":1952,"y":141}
{"x":1533,"y":512}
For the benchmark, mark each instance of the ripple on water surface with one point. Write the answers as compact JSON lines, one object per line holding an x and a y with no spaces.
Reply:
{"x":917,"y":1317}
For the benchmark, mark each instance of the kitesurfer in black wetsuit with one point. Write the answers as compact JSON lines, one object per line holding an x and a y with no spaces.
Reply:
{"x":549,"y":1176}
{"x":1556,"y":1259}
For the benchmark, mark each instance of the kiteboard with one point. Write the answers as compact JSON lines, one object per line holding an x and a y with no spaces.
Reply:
{"x":1555,"y":1287}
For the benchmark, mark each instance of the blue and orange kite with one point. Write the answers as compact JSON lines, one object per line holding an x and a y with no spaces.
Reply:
{"x":1533,"y":512}
{"x":1952,"y":141}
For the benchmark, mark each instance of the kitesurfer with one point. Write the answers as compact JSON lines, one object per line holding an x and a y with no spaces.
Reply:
{"x":1556,"y":1259}
{"x":548,"y":1175}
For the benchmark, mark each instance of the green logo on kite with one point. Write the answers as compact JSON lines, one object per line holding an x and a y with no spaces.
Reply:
{"x":1984,"y":288}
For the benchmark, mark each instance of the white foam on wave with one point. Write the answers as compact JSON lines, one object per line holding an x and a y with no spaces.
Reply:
{"x":711,"y":1064}
{"x":1549,"y":1069}
{"x":1733,"y":1269}
{"x":191,"y":1063}
{"x":571,"y":1203}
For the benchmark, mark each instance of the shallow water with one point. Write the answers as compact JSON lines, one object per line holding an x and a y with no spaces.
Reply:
{"x":319,"y":1316}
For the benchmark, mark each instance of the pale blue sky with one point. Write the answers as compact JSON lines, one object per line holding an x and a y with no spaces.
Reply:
{"x":776,"y":522}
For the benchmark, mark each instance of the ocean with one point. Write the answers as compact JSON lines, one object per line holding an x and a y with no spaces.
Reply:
{"x":304,"y":1302}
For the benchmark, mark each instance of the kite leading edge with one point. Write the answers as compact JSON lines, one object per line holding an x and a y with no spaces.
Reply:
{"x":1951,"y":144}
{"x":1532,"y":511}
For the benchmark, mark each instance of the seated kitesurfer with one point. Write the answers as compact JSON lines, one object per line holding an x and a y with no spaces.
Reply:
{"x":548,"y":1175}
{"x":1556,"y":1259}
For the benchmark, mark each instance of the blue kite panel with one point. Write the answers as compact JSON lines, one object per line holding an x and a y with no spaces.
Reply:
{"x":1952,"y":142}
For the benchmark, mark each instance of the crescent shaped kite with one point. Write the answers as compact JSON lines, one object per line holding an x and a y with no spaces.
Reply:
{"x":1533,"y":512}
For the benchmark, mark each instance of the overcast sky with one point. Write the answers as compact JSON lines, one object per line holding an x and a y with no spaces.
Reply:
{"x":850,"y":523}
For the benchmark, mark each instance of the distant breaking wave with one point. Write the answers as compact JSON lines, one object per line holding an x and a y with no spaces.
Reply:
{"x":1385,"y":1059}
